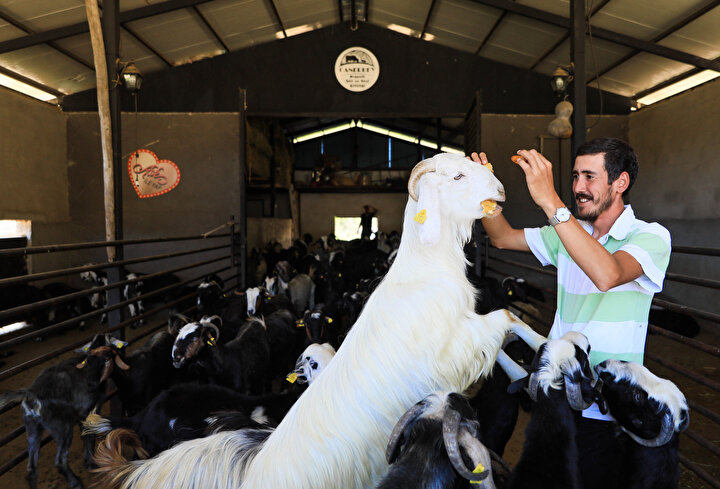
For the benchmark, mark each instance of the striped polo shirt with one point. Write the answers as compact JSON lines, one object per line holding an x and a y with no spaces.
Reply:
{"x":615,"y":322}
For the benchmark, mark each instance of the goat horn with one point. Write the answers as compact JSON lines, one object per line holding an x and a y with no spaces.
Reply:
{"x":393,"y":447}
{"x":533,"y":387}
{"x":450,"y":428}
{"x":514,"y":371}
{"x":420,"y":169}
{"x":120,"y":363}
{"x":667,"y":431}
{"x":573,"y":393}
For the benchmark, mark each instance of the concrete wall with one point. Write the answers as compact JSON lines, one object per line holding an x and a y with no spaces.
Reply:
{"x":678,"y":147}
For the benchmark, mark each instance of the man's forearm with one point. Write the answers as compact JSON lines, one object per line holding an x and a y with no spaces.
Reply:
{"x":504,"y":236}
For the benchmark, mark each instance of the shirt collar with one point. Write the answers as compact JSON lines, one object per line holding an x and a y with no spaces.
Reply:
{"x":620,"y":228}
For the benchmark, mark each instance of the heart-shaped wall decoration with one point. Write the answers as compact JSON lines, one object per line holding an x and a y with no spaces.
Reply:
{"x":151,"y":176}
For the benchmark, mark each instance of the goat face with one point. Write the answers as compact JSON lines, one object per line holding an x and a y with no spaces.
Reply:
{"x":313,"y":361}
{"x":562,"y":362}
{"x":314,"y":323}
{"x":449,"y":187}
{"x":190,"y":340}
{"x":649,"y":409}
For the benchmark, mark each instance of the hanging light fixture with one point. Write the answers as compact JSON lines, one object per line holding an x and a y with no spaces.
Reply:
{"x":131,"y":77}
{"x":561,"y":79}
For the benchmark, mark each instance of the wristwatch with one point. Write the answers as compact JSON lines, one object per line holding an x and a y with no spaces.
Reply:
{"x":562,"y":214}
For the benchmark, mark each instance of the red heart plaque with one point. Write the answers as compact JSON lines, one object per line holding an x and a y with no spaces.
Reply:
{"x":150,"y":176}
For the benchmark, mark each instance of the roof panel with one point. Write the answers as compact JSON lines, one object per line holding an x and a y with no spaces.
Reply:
{"x":461,"y":24}
{"x":557,"y":7}
{"x":527,"y":37}
{"x":43,"y":15}
{"x":132,"y":50}
{"x":402,"y":14}
{"x":179,"y":36}
{"x":241,"y":23}
{"x":49,"y":67}
{"x":8,"y":31}
{"x":700,"y":37}
{"x":646,"y":70}
{"x":295,"y":15}
{"x":643,"y":19}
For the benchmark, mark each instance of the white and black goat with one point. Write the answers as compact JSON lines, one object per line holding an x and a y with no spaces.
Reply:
{"x":99,"y":300}
{"x":417,"y":334}
{"x":239,"y":364}
{"x":436,"y":443}
{"x":561,"y":383}
{"x":652,"y":412}
{"x":59,"y":399}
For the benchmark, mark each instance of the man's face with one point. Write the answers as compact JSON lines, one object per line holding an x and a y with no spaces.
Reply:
{"x":593,"y":195}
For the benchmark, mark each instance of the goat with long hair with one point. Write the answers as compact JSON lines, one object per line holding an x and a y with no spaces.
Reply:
{"x":417,"y":334}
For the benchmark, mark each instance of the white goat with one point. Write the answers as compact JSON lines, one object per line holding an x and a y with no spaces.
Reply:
{"x":417,"y":334}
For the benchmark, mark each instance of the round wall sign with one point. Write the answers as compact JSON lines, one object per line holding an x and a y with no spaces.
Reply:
{"x":357,"y":69}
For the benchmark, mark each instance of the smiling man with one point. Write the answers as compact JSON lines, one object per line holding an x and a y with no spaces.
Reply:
{"x":609,"y":266}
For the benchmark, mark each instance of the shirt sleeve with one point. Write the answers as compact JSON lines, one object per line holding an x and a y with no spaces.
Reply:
{"x":651,"y":247}
{"x":544,"y":244}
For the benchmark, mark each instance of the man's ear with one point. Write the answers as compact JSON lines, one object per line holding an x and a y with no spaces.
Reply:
{"x":622,"y":182}
{"x":428,"y":211}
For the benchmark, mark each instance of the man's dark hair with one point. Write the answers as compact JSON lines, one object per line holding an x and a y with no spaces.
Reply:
{"x":619,"y":157}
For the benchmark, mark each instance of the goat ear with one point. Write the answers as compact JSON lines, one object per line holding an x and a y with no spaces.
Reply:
{"x":428,"y":215}
{"x":119,"y":344}
{"x":84,"y":349}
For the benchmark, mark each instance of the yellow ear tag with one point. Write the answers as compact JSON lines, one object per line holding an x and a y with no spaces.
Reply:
{"x":509,"y":292}
{"x":329,"y":320}
{"x":84,"y":362}
{"x":291,"y":378}
{"x":300,"y":324}
{"x":211,"y":341}
{"x":478,"y":470}
{"x":420,"y":216}
{"x":489,"y":167}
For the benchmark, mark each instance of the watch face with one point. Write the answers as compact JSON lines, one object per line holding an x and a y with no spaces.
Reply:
{"x":562,"y":214}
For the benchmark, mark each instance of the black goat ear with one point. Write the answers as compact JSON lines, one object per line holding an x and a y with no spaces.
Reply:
{"x":85,"y":348}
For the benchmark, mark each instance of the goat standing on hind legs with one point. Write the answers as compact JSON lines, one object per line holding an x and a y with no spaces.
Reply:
{"x":418,"y":333}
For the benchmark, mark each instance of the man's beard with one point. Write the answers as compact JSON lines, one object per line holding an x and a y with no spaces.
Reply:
{"x":590,"y":215}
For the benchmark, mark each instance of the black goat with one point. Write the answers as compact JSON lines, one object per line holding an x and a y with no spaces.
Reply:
{"x":436,"y":444}
{"x":151,"y":370}
{"x":652,"y":412}
{"x":60,"y":397}
{"x":99,"y":300}
{"x":560,"y":383}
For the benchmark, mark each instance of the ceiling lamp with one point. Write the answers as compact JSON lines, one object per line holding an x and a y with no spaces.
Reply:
{"x":131,"y":77}
{"x":561,"y":79}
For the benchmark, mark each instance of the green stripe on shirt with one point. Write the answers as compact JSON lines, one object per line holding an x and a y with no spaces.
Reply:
{"x":606,"y":307}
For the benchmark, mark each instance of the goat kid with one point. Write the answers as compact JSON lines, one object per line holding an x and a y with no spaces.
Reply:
{"x":61,"y":397}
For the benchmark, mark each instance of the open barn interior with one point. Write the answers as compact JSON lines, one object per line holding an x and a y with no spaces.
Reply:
{"x":244,"y":100}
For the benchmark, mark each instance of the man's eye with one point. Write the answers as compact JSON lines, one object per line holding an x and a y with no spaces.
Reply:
{"x":459,"y":176}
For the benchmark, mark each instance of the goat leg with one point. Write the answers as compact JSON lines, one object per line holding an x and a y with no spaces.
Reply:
{"x":64,"y":439}
{"x":34,"y":431}
{"x":525,"y":332}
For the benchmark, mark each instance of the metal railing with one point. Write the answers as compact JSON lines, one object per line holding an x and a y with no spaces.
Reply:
{"x":492,"y":257}
{"x":219,"y":257}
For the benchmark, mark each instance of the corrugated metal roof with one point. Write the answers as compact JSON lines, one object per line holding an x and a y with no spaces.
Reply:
{"x":529,"y":34}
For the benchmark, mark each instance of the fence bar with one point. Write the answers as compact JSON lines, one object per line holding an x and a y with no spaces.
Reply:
{"x":9,"y":406}
{"x":12,"y":435}
{"x":21,"y":456}
{"x":704,"y":411}
{"x":86,"y":268}
{"x":702,"y":442}
{"x":31,"y":363}
{"x":76,"y":319}
{"x":687,"y":373}
{"x":34,"y":250}
{"x":95,"y":290}
{"x":702,"y":282}
{"x":687,"y":310}
{"x":698,"y":345}
{"x":698,"y":471}
{"x":695,"y":250}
